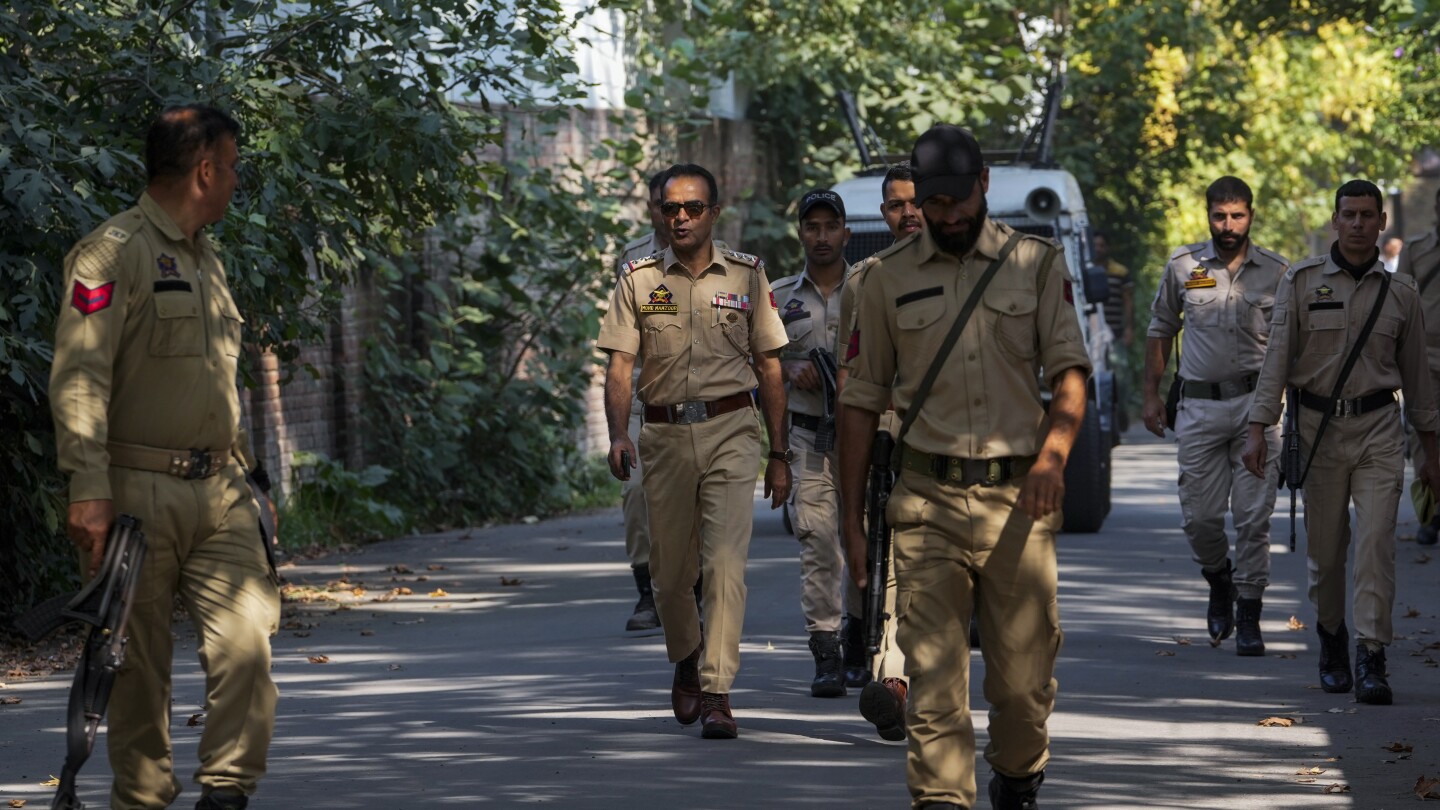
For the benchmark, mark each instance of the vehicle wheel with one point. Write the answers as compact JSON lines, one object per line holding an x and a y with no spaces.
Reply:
{"x":1087,"y":479}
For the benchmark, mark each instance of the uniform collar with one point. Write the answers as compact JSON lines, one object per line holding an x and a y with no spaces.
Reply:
{"x":1212,"y":253}
{"x":988,"y":245}
{"x":1331,"y":268}
{"x":804,"y":277}
{"x":670,"y":262}
{"x":160,"y":219}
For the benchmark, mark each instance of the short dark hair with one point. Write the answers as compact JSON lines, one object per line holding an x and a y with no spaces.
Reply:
{"x":1360,"y":188}
{"x":178,"y":137}
{"x":694,"y":170}
{"x":1229,"y":189}
{"x":657,"y":181}
{"x":900,"y":171}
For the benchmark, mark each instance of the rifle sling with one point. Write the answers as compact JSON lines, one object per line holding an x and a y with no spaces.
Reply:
{"x":954,"y":336}
{"x":1344,"y":375}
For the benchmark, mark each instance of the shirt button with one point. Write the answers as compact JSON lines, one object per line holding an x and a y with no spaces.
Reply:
{"x":979,"y":401}
{"x":972,"y":355}
{"x":694,"y":371}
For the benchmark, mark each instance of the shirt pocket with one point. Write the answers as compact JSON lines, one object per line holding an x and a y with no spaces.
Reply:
{"x":1203,"y":308}
{"x":1325,"y":331}
{"x":1261,"y":307}
{"x":798,"y":330}
{"x":1014,"y":312}
{"x":178,"y":330}
{"x":1381,"y":343}
{"x":663,"y":336}
{"x":730,"y":332}
{"x":916,"y":321}
{"x":232,"y":327}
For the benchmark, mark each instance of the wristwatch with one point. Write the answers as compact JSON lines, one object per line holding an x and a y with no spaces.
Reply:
{"x":787,"y":455}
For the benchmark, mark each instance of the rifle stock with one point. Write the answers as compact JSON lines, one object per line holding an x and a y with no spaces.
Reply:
{"x":877,"y":571}
{"x":1291,"y":475}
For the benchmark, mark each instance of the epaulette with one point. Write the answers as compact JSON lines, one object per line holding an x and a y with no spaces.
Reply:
{"x":786,"y":281}
{"x":1405,"y":280}
{"x":1313,"y":261}
{"x":741,"y":258}
{"x":1186,"y":250}
{"x":1271,"y":255}
{"x":899,"y":244}
{"x":644,"y":261}
{"x":859,"y":268}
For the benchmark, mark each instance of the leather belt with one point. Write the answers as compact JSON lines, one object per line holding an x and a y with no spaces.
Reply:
{"x":688,"y":413}
{"x":1229,"y":389}
{"x":806,"y":421}
{"x":967,"y":472}
{"x":1373,"y":401}
{"x":190,"y":464}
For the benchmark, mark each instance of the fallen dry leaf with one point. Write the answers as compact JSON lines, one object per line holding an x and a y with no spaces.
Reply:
{"x":510,"y":583}
{"x":1336,"y":788}
{"x":1167,"y":653}
{"x":1399,"y":748}
{"x":1182,"y":641}
{"x":422,"y":578}
{"x":1422,"y":559}
{"x":1282,"y":722}
{"x":402,"y":591}
{"x":1427,"y":788}
{"x":399,"y":569}
{"x":319,"y":659}
{"x":394,"y":667}
{"x":17,"y":802}
{"x":1311,"y":771}
{"x":195,"y":720}
{"x":301,"y":634}
{"x":1412,"y":613}
{"x":438,"y":592}
{"x":1305,"y":781}
{"x":367,"y":632}
{"x":1295,"y":624}
{"x":434,"y":568}
{"x":9,"y":701}
{"x":53,"y":781}
{"x":357,"y":591}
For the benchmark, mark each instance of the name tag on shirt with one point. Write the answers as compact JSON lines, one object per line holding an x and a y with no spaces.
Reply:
{"x":732,"y":301}
{"x":1197,"y":283}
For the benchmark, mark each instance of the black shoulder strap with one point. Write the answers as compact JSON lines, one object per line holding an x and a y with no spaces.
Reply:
{"x":945,"y":348}
{"x":1345,"y":374}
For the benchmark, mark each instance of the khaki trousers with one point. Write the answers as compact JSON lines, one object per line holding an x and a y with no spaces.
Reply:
{"x":703,"y":472}
{"x":956,"y":548}
{"x":815,"y":509}
{"x":1361,"y":458}
{"x":1213,"y":481}
{"x":204,"y":545}
{"x":632,"y":498}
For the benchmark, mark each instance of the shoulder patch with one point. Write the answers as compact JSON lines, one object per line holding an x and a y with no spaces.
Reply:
{"x":1313,"y":261}
{"x":1186,"y":250}
{"x":98,"y":260}
{"x":645,"y":261}
{"x":741,"y":258}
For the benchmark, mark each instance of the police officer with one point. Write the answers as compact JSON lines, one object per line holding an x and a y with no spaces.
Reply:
{"x":703,"y":321}
{"x":1224,"y":290}
{"x":1321,"y":308}
{"x":882,"y":700}
{"x":1420,"y":259}
{"x":977,"y":504}
{"x":147,"y":417}
{"x":810,"y":310}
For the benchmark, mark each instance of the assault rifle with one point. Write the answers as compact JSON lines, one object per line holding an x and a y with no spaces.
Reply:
{"x":829,"y":372}
{"x":877,"y":533}
{"x":1290,"y":472}
{"x":104,"y":604}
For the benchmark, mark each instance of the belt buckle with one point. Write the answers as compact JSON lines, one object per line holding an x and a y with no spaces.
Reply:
{"x":1345,"y":407}
{"x":992,"y":472}
{"x":198,"y":465}
{"x":689,"y":412}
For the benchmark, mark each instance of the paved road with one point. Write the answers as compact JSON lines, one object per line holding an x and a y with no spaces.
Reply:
{"x":518,"y":687}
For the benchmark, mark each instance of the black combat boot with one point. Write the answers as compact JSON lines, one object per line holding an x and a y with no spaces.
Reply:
{"x":857,"y":669}
{"x":1247,"y":627}
{"x":222,"y":800}
{"x":1335,"y":659}
{"x":644,"y":617}
{"x":1220,"y":615}
{"x":829,"y":682}
{"x":1370,"y":683}
{"x":1429,"y":532}
{"x":1007,"y":793}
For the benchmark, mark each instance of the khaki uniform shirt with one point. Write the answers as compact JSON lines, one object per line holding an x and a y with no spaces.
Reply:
{"x":986,"y":401}
{"x":146,"y":347}
{"x":1227,"y":316}
{"x":811,"y":322}
{"x":1420,"y":259}
{"x":1319,"y":312}
{"x":844,"y":343}
{"x":694,"y":335}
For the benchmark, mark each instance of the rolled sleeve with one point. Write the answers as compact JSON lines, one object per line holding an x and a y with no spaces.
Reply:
{"x":767,"y":333}
{"x":872,"y":357}
{"x":1062,"y":346}
{"x":1165,"y":313}
{"x":1275,"y":370}
{"x":620,"y":330}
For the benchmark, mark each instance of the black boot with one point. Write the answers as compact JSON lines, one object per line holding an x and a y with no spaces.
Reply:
{"x":644,"y":617}
{"x":1220,"y":615}
{"x":1007,"y":793}
{"x":1370,"y":683}
{"x":829,"y":682}
{"x":1429,"y":532}
{"x":1247,"y":627}
{"x":857,"y":665}
{"x":1335,"y":659}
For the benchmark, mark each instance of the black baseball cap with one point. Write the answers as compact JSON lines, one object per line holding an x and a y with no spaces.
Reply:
{"x":821,"y":196}
{"x":946,"y":160}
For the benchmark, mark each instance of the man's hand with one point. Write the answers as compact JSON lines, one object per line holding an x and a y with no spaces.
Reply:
{"x":857,"y":552}
{"x":621,"y":451}
{"x":801,"y":374}
{"x":1255,"y":452}
{"x":1044,"y":489}
{"x":1154,"y":415}
{"x":777,"y":482}
{"x":88,"y":524}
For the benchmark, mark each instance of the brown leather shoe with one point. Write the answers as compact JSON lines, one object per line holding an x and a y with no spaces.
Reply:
{"x":685,"y":690}
{"x":883,"y":703}
{"x":718,"y":723}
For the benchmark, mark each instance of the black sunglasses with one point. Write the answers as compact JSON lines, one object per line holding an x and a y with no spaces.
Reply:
{"x":694,"y":208}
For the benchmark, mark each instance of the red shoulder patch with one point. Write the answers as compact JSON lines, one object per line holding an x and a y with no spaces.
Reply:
{"x":90,"y":300}
{"x":1069,"y":292}
{"x":773,"y":305}
{"x":853,"y":350}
